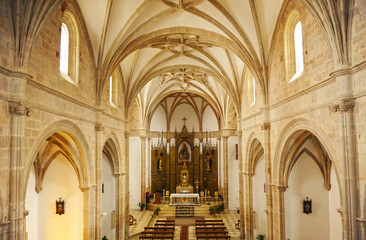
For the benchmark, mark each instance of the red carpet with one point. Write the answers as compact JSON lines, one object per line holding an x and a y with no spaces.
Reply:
{"x":184,"y":233}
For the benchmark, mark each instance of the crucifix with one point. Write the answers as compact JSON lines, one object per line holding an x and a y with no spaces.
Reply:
{"x":184,"y":120}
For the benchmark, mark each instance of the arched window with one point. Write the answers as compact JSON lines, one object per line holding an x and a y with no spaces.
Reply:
{"x":113,"y":91}
{"x":69,"y":48}
{"x":293,"y":47}
{"x":64,"y":49}
{"x":251,"y":87}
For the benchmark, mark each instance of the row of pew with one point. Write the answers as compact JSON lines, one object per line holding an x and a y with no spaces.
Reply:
{"x":163,"y":229}
{"x":211,"y":229}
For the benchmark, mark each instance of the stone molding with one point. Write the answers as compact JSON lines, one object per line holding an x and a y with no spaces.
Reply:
{"x":19,"y":109}
{"x":345,"y":106}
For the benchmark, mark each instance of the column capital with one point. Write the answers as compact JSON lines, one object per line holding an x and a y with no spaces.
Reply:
{"x":19,"y":109}
{"x":99,"y":127}
{"x":127,"y":134}
{"x":266,"y":126}
{"x":345,"y":106}
{"x":280,"y":188}
{"x":87,"y":188}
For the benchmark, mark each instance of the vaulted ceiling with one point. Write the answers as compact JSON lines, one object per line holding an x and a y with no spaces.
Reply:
{"x":164,"y":47}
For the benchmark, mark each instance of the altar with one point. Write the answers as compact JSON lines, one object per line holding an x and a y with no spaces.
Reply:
{"x":184,"y":189}
{"x":184,"y":199}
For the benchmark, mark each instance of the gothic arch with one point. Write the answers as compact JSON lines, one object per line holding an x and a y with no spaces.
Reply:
{"x":82,"y":167}
{"x":254,"y":151}
{"x":112,"y":151}
{"x":288,"y":151}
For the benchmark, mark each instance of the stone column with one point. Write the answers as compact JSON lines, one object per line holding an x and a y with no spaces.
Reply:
{"x":362,"y":222}
{"x":349,"y":176}
{"x":241,"y":183}
{"x":99,"y":179}
{"x":219,"y":160}
{"x":126,"y":184}
{"x":248,"y":205}
{"x":268,"y":179}
{"x":226,"y":169}
{"x":89,"y":193}
{"x":149,"y":165}
{"x":278,"y":196}
{"x":18,"y":111}
{"x":143,"y":169}
{"x":119,"y":205}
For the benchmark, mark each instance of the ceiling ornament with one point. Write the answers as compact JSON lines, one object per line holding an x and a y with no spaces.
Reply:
{"x":182,"y":3}
{"x":183,"y":76}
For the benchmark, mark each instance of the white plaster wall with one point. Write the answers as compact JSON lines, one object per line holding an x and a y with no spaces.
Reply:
{"x":60,"y":181}
{"x":135,"y":172}
{"x":306,"y":181}
{"x":233,"y":176}
{"x":259,"y":198}
{"x":209,"y":120}
{"x":184,"y":110}
{"x":335,"y":221}
{"x":108,"y":200}
{"x":31,"y":204}
{"x":158,"y":120}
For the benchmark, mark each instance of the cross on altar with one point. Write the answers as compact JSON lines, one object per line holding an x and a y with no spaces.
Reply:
{"x":184,"y":120}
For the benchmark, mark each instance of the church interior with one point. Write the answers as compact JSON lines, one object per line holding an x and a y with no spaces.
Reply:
{"x":183,"y":119}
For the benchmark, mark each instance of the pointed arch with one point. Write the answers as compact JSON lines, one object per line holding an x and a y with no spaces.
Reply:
{"x":112,"y":151}
{"x":57,"y":132}
{"x":291,"y":146}
{"x":254,"y":151}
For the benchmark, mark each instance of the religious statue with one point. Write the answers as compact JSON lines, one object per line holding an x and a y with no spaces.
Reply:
{"x":208,"y":162}
{"x":160,"y":162}
{"x":184,"y":154}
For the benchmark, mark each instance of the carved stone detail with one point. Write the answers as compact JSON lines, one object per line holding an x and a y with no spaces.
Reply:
{"x":346,"y":106}
{"x":266,"y":126}
{"x":280,"y":188}
{"x":19,"y":109}
{"x":99,"y":127}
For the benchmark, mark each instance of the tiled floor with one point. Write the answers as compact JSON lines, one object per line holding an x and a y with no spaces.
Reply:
{"x":146,"y":218}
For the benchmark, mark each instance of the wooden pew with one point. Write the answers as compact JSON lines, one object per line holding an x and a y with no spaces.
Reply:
{"x":213,"y":237}
{"x":211,"y":220}
{"x":210,"y":224}
{"x":223,"y":228}
{"x":212,"y":232}
{"x":161,"y":228}
{"x":157,"y":237}
{"x":153,"y":233}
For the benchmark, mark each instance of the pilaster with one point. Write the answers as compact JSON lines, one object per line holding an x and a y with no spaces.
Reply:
{"x":18,"y":112}
{"x":99,"y":179}
{"x":226,"y":169}
{"x":126,"y":184}
{"x":266,"y":127}
{"x":248,"y":206}
{"x":143,"y":169}
{"x":278,"y":194}
{"x":349,"y":192}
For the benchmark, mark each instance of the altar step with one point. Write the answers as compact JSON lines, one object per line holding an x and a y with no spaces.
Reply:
{"x":168,"y":211}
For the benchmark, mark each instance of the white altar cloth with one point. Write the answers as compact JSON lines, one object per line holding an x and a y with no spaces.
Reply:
{"x":184,"y":199}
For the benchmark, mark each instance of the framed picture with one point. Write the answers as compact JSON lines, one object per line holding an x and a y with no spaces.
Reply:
{"x":307,"y":206}
{"x":60,"y":206}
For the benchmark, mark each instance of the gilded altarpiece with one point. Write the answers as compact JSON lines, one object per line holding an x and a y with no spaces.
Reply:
{"x":184,"y":165}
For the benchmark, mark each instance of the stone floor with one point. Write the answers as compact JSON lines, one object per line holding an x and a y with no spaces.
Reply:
{"x":146,"y":218}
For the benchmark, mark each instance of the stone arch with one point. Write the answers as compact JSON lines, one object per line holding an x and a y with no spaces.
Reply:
{"x":112,"y":151}
{"x":254,"y":151}
{"x":300,"y":130}
{"x":82,"y":167}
